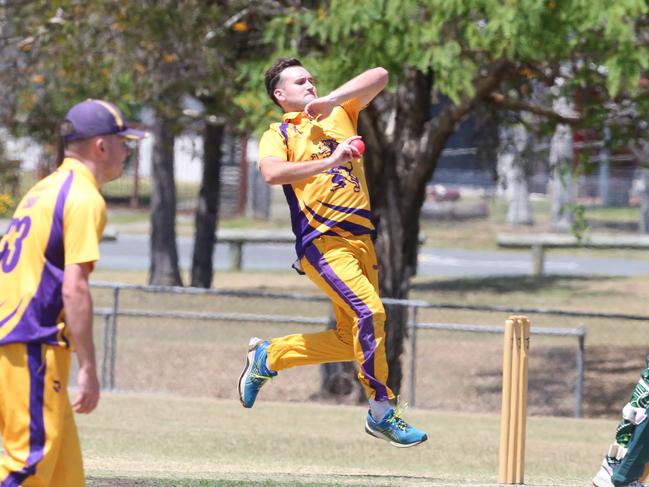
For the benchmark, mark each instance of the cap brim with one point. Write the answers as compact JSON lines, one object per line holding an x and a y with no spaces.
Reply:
{"x":133,"y":134}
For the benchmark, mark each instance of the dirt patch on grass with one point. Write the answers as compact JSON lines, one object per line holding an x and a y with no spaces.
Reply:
{"x":121,"y":483}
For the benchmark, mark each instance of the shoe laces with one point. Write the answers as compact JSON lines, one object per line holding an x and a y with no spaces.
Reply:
{"x":260,"y":377}
{"x":398,"y":411}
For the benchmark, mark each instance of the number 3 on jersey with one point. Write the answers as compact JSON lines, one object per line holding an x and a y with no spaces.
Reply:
{"x":12,"y":244}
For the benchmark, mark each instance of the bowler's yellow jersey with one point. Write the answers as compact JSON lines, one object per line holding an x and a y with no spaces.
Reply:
{"x":59,"y":222}
{"x":333,"y":202}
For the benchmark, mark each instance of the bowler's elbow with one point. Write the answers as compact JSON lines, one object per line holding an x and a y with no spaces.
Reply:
{"x":268,"y":170}
{"x":382,"y":76}
{"x":268,"y":178}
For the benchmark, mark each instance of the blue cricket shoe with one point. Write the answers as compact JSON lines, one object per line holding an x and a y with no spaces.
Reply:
{"x":394,"y":430}
{"x":255,"y":374}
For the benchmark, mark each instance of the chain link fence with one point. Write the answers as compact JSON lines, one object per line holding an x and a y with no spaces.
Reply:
{"x":192,"y":342}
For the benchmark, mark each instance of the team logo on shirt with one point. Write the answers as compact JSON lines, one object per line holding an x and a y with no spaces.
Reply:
{"x":325,"y":148}
{"x":341,"y":175}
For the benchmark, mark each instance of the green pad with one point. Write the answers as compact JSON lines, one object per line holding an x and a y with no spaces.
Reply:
{"x":632,"y":465}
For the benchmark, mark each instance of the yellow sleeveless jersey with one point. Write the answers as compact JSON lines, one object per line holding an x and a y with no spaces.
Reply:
{"x":59,"y":222}
{"x":334,"y":202}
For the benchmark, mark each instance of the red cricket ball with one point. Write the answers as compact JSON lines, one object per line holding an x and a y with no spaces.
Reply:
{"x":359,"y":144}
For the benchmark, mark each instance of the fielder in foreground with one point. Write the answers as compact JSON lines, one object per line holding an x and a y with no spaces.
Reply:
{"x":46,"y":256}
{"x":625,"y":462}
{"x":314,"y":154}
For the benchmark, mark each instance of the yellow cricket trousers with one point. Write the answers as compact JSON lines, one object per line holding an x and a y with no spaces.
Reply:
{"x":36,"y":420}
{"x":346,"y":270}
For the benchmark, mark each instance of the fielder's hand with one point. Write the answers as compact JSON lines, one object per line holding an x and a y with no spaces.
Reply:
{"x":88,"y":394}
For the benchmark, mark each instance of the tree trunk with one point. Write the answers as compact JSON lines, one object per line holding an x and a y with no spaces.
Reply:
{"x":403,"y":145}
{"x":392,"y":159}
{"x":511,"y":166}
{"x":562,"y":191}
{"x":644,"y":200}
{"x":164,"y":254}
{"x":207,"y":212}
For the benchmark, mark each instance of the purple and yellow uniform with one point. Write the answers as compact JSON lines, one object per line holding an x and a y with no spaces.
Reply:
{"x":331,"y":219}
{"x":59,"y":222}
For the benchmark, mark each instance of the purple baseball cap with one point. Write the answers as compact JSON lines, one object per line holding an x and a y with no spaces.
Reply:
{"x":96,"y":117}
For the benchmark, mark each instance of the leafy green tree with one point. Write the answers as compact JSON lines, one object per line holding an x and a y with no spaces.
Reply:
{"x":144,"y":53}
{"x":476,"y":52}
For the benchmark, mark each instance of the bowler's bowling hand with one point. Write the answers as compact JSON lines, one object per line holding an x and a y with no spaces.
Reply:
{"x":320,"y":107}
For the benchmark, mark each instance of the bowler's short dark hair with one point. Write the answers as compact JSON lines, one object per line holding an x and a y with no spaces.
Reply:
{"x":271,"y":78}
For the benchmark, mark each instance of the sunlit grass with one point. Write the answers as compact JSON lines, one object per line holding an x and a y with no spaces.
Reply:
{"x":181,"y":440}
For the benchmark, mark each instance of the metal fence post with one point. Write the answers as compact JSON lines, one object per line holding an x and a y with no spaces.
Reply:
{"x":113,"y":337}
{"x":105,"y":346}
{"x":413,"y":352}
{"x":579,"y":387}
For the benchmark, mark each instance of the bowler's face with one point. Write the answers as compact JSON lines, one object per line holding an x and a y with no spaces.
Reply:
{"x":295,"y":89}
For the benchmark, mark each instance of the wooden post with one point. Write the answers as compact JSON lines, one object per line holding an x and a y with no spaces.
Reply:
{"x":538,"y":257}
{"x":236,"y":255}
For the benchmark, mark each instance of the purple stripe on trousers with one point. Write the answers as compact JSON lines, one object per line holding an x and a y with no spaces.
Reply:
{"x":366,"y":318}
{"x":37,"y":424}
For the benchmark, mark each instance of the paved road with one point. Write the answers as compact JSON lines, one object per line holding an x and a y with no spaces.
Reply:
{"x":132,"y":252}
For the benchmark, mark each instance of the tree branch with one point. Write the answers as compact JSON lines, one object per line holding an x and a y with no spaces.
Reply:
{"x":501,"y":101}
{"x":438,"y":130}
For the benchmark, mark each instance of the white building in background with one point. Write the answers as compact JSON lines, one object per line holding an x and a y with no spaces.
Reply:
{"x":188,"y":154}
{"x":23,"y":149}
{"x":188,"y":167}
{"x":188,"y":158}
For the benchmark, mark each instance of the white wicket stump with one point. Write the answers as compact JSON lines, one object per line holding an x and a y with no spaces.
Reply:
{"x":514,"y":400}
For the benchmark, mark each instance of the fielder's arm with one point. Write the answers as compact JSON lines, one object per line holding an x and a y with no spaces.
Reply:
{"x":365,"y":87}
{"x":78,"y":317}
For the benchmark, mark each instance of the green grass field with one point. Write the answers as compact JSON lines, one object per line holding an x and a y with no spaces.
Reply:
{"x":214,"y":442}
{"x":167,"y":440}
{"x":189,"y":430}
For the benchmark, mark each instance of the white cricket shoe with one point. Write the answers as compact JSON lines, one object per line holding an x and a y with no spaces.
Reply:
{"x":603,"y":477}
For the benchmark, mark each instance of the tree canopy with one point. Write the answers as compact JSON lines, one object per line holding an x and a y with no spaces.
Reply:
{"x":596,"y":41}
{"x":144,"y":53}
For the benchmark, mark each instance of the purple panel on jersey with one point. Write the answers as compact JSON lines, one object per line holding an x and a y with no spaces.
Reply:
{"x":303,"y":232}
{"x":366,"y":319}
{"x":36,"y":421}
{"x":283,"y":128}
{"x":351,"y":227}
{"x":38,"y":322}
{"x":345,"y":209}
{"x":55,"y":251}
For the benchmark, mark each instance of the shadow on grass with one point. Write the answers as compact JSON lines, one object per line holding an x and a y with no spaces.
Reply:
{"x":124,"y":482}
{"x":506,"y":284}
{"x":610,"y":375}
